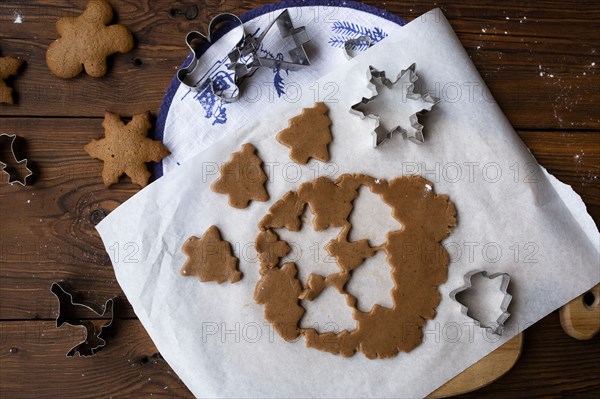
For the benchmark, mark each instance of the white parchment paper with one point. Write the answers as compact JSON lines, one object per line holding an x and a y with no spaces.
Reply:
{"x":512,"y":217}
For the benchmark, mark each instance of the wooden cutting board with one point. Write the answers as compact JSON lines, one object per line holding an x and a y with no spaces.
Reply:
{"x":580,"y":318}
{"x":485,"y":371}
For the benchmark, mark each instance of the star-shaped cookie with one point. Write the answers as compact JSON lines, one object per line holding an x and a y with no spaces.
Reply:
{"x":126,"y":149}
{"x":9,"y":66}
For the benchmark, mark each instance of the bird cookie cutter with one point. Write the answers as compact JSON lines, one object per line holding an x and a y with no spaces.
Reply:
{"x":14,"y":179}
{"x":495,"y":326}
{"x":94,"y":340}
{"x":405,"y":81}
{"x":243,"y":58}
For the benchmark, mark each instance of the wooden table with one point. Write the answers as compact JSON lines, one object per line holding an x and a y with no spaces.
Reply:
{"x":541,"y":62}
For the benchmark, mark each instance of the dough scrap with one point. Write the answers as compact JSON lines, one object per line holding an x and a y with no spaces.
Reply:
{"x":349,"y":255}
{"x":270,"y":249}
{"x":242,"y":178}
{"x":86,"y":41}
{"x":279,"y":290}
{"x":285,"y":212}
{"x":418,"y":261}
{"x":126,"y":149}
{"x":314,"y":286}
{"x":330,"y":201}
{"x":210,"y":258}
{"x":9,"y":66}
{"x":308,"y":135}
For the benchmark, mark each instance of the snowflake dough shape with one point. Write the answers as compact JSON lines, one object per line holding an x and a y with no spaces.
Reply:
{"x":86,"y":41}
{"x":308,"y":135}
{"x":394,"y":106}
{"x":210,"y":258}
{"x":126,"y":149}
{"x":9,"y":66}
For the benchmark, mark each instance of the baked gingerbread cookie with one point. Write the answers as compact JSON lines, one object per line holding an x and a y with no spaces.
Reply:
{"x":86,"y":41}
{"x":308,"y":135}
{"x":210,"y":258}
{"x":242,"y":178}
{"x":9,"y":66}
{"x":126,"y":149}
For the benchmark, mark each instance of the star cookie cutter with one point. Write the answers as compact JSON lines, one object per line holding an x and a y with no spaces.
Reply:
{"x":405,"y":81}
{"x":497,"y":326}
{"x":14,"y":179}
{"x":94,"y":340}
{"x":243,"y":58}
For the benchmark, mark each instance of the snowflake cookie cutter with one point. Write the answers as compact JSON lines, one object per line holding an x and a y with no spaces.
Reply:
{"x":495,"y":326}
{"x":405,"y":81}
{"x":94,"y":340}
{"x":3,"y":166}
{"x":243,"y":58}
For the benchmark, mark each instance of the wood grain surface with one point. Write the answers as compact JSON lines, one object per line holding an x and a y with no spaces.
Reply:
{"x":541,"y":61}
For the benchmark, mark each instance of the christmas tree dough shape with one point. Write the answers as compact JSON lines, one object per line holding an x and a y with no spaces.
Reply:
{"x":308,"y":135}
{"x":210,"y":258}
{"x":242,"y":178}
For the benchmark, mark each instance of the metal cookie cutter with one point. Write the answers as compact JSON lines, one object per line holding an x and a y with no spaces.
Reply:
{"x":252,"y":44}
{"x":244,"y":58}
{"x":94,"y":340}
{"x":197,"y":43}
{"x":10,"y":139}
{"x":496,"y":326}
{"x":351,"y":45}
{"x":405,"y":84}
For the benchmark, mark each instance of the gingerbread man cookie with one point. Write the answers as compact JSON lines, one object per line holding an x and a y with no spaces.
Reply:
{"x":86,"y":41}
{"x":9,"y":66}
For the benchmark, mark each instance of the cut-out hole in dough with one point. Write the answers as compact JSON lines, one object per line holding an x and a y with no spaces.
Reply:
{"x":308,"y":248}
{"x":483,"y":299}
{"x":371,"y":218}
{"x":329,"y":312}
{"x":372,"y":283}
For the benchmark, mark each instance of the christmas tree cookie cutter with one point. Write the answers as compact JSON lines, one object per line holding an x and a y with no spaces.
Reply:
{"x":95,"y":338}
{"x":385,"y":125}
{"x":494,"y":326}
{"x":13,"y":178}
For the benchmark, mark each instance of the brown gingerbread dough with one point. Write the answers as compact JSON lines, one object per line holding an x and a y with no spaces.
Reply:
{"x":125,"y":149}
{"x":349,"y":255}
{"x":86,"y":41}
{"x":285,"y":212}
{"x":427,"y":218}
{"x":279,"y":290}
{"x":270,"y":249}
{"x":314,"y":286}
{"x":308,"y":134}
{"x":242,"y":178}
{"x":9,"y":66}
{"x":210,"y":258}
